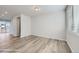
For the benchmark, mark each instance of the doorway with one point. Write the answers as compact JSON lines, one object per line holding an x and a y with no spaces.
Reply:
{"x":4,"y":26}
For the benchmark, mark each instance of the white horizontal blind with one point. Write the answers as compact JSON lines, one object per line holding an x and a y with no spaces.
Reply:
{"x":75,"y":23}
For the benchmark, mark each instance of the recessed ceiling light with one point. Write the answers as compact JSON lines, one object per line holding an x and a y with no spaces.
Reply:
{"x":6,"y":12}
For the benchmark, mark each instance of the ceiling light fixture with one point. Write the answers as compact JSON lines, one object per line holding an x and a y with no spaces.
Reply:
{"x":36,"y":8}
{"x":6,"y":12}
{"x":2,"y":15}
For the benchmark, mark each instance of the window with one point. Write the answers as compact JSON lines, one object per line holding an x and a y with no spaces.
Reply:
{"x":72,"y":15}
{"x":75,"y":20}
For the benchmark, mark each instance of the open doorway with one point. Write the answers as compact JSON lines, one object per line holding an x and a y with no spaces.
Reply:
{"x":4,"y":26}
{"x":11,"y":27}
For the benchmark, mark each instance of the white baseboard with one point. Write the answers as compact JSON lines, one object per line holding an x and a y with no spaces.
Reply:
{"x":58,"y":38}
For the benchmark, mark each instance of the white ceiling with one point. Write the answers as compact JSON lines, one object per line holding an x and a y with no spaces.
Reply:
{"x":27,"y":9}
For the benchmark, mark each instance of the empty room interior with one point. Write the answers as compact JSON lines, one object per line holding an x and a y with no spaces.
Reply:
{"x":39,"y":28}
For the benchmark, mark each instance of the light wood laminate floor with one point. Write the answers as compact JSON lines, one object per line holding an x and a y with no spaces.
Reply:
{"x":31,"y":44}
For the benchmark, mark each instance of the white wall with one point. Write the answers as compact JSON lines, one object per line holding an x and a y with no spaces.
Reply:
{"x":25,"y":25}
{"x":13,"y":29}
{"x":49,"y":25}
{"x":73,"y":41}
